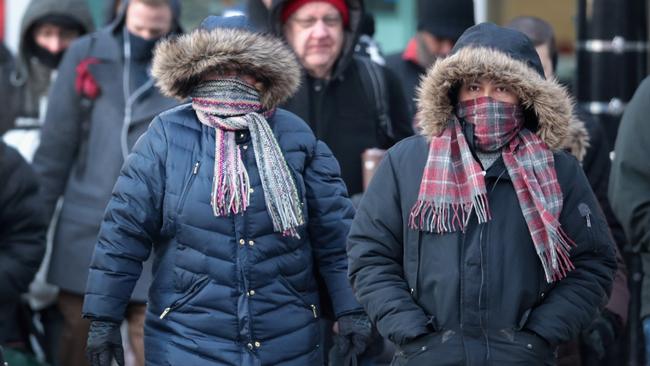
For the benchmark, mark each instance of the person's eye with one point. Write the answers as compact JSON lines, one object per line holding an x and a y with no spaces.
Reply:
{"x":306,"y":22}
{"x":502,"y":89}
{"x":473,"y":88}
{"x":332,"y":21}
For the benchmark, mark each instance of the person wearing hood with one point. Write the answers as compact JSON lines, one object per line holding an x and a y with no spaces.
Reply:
{"x":440,"y":23}
{"x":47,"y":29}
{"x":338,"y":96}
{"x":101,"y":102}
{"x":480,"y":241}
{"x":599,"y":343}
{"x":240,"y":204}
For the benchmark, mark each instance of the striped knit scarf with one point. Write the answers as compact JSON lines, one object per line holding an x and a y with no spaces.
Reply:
{"x":453,"y":183}
{"x":229,"y":105}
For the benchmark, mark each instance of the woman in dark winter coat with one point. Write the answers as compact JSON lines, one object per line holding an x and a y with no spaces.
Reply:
{"x":480,"y":242}
{"x":240,"y":204}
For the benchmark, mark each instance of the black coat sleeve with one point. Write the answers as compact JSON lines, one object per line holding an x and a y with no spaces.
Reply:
{"x":7,"y":91}
{"x":375,"y":255}
{"x":400,"y":115}
{"x":571,"y":303}
{"x":22,"y":225}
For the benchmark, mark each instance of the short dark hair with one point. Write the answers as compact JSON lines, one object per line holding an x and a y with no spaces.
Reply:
{"x":154,"y":3}
{"x":539,"y":32}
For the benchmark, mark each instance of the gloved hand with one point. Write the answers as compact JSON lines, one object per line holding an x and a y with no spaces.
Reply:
{"x":353,"y":336}
{"x":104,"y":343}
{"x":601,"y":333}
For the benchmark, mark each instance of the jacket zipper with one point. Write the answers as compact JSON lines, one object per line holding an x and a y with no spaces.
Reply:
{"x":313,"y":310}
{"x":195,"y":171}
{"x":198,"y":286}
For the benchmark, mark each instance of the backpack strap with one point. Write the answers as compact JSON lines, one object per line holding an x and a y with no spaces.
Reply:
{"x":373,"y":80}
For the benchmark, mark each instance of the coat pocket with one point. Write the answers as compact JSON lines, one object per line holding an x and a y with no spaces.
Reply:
{"x":188,"y":185}
{"x":194,"y":290}
{"x":308,"y":304}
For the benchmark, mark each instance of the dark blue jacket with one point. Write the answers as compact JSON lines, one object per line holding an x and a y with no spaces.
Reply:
{"x":226,"y":290}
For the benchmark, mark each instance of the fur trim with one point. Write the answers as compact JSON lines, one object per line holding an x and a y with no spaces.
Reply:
{"x":179,"y":63}
{"x":577,"y":141}
{"x":550,"y":102}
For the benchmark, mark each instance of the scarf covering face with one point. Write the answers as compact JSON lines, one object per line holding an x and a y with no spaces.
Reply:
{"x":229,"y":105}
{"x":453,"y":183}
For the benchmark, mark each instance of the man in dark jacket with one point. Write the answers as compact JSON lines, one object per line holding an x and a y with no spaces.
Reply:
{"x":47,"y":29}
{"x":340,"y":96}
{"x":240,"y":204}
{"x":440,"y":23}
{"x":587,"y":142}
{"x":481,"y":242}
{"x":629,"y":188}
{"x":22,"y":240}
{"x":101,"y":102}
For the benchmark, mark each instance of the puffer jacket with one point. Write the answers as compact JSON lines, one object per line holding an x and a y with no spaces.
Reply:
{"x":478,"y":297}
{"x":226,"y":290}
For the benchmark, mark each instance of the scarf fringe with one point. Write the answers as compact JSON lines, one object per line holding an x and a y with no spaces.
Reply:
{"x":555,"y":257}
{"x":448,"y":217}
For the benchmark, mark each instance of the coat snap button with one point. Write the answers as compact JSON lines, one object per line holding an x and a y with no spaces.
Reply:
{"x":424,"y":348}
{"x":245,"y":147}
{"x":250,"y":346}
{"x":251,"y":292}
{"x":529,"y":346}
{"x":252,"y":190}
{"x":251,"y":243}
{"x":258,"y":344}
{"x":242,"y":241}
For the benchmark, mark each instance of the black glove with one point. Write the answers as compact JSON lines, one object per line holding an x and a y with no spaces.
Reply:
{"x":354,"y":335}
{"x":601,"y":333}
{"x":104,"y":343}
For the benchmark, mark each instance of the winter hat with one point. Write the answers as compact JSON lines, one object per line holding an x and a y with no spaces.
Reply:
{"x":444,"y":18}
{"x":292,"y":6}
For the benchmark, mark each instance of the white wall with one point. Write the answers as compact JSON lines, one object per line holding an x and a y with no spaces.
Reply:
{"x":14,"y":10}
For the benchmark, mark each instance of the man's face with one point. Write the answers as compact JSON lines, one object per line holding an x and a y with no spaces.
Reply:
{"x":148,"y":22}
{"x":54,"y":38}
{"x":315,"y":32}
{"x":487,"y":88}
{"x":432,"y":48}
{"x":545,"y":57}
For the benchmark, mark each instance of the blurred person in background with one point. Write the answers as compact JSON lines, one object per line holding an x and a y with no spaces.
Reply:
{"x":587,"y":142}
{"x":102,"y":101}
{"x":47,"y":29}
{"x":480,"y":241}
{"x":22,"y":244}
{"x":350,"y":102}
{"x":440,"y":23}
{"x":241,"y":206}
{"x":629,"y":189}
{"x":258,"y":13}
{"x":7,"y":95}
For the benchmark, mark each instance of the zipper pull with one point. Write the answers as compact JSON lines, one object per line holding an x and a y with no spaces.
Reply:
{"x":585,"y":212}
{"x":313,"y":310}
{"x":196,"y":168}
{"x":165,"y":312}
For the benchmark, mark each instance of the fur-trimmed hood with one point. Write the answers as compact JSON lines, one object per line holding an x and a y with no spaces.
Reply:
{"x":180,"y":62}
{"x":505,"y":56}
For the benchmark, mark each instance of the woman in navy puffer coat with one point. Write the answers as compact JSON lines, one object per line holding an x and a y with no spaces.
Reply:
{"x":228,"y":289}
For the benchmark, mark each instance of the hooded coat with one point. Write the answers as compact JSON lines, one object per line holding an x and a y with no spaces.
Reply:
{"x":82,"y":147}
{"x":478,"y":297}
{"x":227,"y":290}
{"x":30,"y":80}
{"x":339,"y":110}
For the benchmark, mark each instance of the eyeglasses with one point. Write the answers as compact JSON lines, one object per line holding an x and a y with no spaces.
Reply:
{"x":329,"y":20}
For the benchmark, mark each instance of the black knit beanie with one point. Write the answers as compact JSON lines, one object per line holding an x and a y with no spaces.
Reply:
{"x":445,"y":18}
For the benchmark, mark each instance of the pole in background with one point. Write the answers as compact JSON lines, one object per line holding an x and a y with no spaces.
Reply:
{"x":2,"y":20}
{"x":612,"y":52}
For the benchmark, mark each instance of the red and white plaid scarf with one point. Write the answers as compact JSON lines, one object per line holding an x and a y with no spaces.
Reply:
{"x":453,"y":183}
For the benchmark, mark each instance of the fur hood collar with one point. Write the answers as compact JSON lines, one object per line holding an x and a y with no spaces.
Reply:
{"x":179,"y":62}
{"x":549,"y":102}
